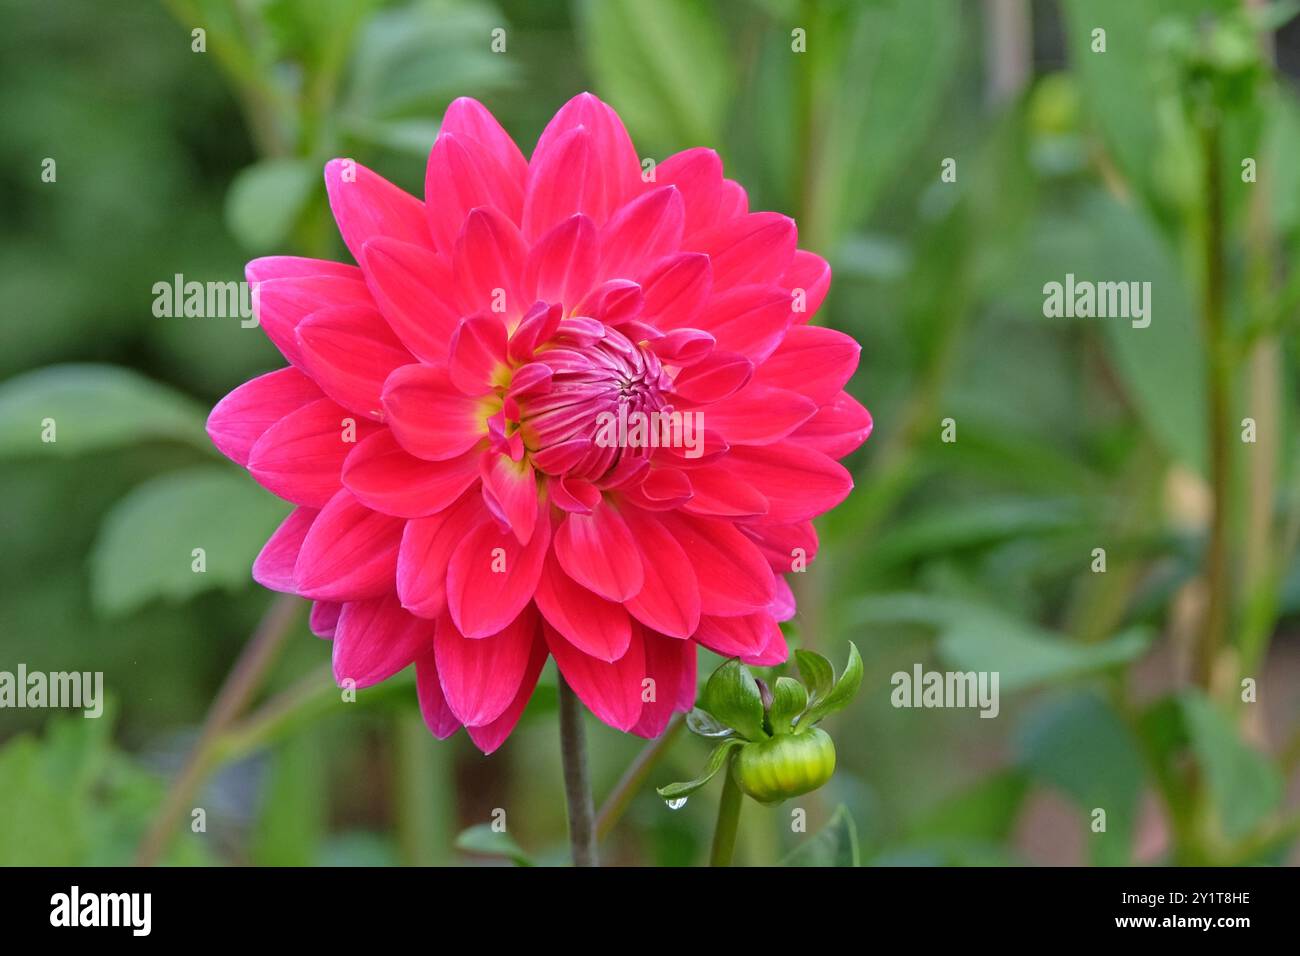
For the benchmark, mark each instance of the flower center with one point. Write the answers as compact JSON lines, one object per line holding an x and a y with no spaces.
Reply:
{"x":604,"y":397}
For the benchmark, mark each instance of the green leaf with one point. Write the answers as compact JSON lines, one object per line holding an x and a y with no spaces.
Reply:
{"x":1079,"y":745}
{"x":92,"y":407}
{"x":702,"y":723}
{"x":266,"y":199}
{"x":841,"y":694}
{"x":664,"y":66}
{"x":835,"y":844}
{"x":817,"y":673}
{"x":717,"y":760}
{"x":974,"y":636}
{"x":145,"y":548}
{"x":788,"y":701}
{"x":733,"y":698}
{"x":1244,"y":787}
{"x":482,"y":840}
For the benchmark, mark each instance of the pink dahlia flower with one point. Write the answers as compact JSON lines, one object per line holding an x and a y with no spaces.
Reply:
{"x":463,"y":502}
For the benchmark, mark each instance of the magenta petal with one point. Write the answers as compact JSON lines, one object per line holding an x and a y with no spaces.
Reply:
{"x":324,"y":618}
{"x":592,"y":624}
{"x":366,"y":205}
{"x":676,"y":289}
{"x":383,"y":476}
{"x":714,"y":378}
{"x":492,"y":577}
{"x":642,"y":232}
{"x":301,"y":456}
{"x":697,"y":173}
{"x":513,"y":486}
{"x":561,"y":266}
{"x":481,"y":676}
{"x":477,"y":357}
{"x":463,"y":174}
{"x":468,"y":118}
{"x":812,"y":361}
{"x":810,"y":275}
{"x":413,"y":288}
{"x":377,"y":638}
{"x":799,"y":483}
{"x":745,"y":636}
{"x":281,"y":304}
{"x":243,"y":416}
{"x":755,"y":247}
{"x":733,"y":576}
{"x":442,"y":723}
{"x":837,"y":429}
{"x":670,"y":664}
{"x":488,"y":264}
{"x":669,"y":600}
{"x":431,"y":418}
{"x":273,"y":567}
{"x":490,"y":736}
{"x":350,"y":553}
{"x":426,"y":550}
{"x":350,"y":351}
{"x":759,"y":414}
{"x":599,"y":552}
{"x":749,"y":319}
{"x":611,"y":690}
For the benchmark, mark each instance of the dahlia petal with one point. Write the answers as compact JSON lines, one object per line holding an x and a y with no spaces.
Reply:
{"x":430,"y":417}
{"x":273,"y":567}
{"x":733,"y":201}
{"x":812,"y":361}
{"x":675,"y":289}
{"x":759,"y":414}
{"x":481,"y":677}
{"x":798,"y":482}
{"x":590,"y":623}
{"x":749,"y":319}
{"x":477,"y":357}
{"x":665,"y":487}
{"x":810,"y":275}
{"x":463,"y":174}
{"x":289,"y":267}
{"x":714,"y":377}
{"x":491,"y":577}
{"x":467,"y":117}
{"x":513,"y":485}
{"x":349,"y":554}
{"x":783,"y":606}
{"x":563,"y":180}
{"x":775,"y":651}
{"x":537,"y":326}
{"x":614,"y":302}
{"x":442,"y":723}
{"x":377,"y":638}
{"x":243,"y":416}
{"x":350,"y":351}
{"x":612,"y":151}
{"x":488,"y":264}
{"x":742,"y":636}
{"x":573,"y":494}
{"x":300,"y":457}
{"x":426,"y":550}
{"x":610,"y":689}
{"x":561,"y":457}
{"x":412,"y":287}
{"x":669,"y":665}
{"x":717,"y":490}
{"x":697,"y":173}
{"x":669,"y":599}
{"x":837,"y":429}
{"x":366,"y":205}
{"x":324,"y":618}
{"x":599,"y":552}
{"x":683,"y":347}
{"x":733,"y":576}
{"x":488,"y":737}
{"x":561,"y":266}
{"x":642,"y":232}
{"x":385,"y":477}
{"x":754,"y":247}
{"x":787,"y":547}
{"x":280,"y":304}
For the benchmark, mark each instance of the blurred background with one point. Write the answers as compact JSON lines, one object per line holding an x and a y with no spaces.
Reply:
{"x":1159,"y":680}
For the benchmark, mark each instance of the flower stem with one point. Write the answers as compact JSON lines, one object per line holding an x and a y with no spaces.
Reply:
{"x":577,"y":782}
{"x":724,"y":831}
{"x":241,"y":684}
{"x":628,"y":785}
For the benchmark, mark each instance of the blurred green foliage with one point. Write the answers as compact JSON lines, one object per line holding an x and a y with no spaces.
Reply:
{"x":974,"y":554}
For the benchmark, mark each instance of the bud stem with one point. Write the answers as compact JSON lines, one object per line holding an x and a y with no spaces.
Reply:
{"x":724,"y":831}
{"x":577,"y":782}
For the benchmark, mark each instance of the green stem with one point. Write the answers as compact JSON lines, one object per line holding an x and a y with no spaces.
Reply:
{"x":577,"y":781}
{"x":621,"y":796}
{"x":724,"y":832}
{"x":1214,"y":625}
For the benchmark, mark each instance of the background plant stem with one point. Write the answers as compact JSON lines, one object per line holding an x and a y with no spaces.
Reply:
{"x":577,"y":781}
{"x":724,"y":832}
{"x":634,"y":777}
{"x":240,"y":685}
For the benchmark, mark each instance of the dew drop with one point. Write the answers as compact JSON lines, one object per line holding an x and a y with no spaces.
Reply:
{"x":676,"y":804}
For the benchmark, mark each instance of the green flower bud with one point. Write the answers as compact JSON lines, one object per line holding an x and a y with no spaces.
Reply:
{"x":786,"y":766}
